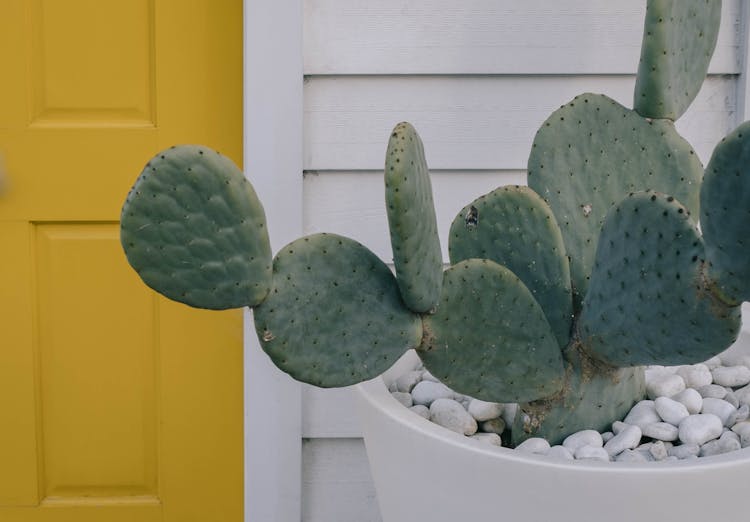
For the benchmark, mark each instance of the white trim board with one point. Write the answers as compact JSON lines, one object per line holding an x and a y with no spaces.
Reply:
{"x":273,"y":161}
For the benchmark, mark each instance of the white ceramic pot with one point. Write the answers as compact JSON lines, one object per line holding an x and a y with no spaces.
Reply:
{"x":423,"y":472}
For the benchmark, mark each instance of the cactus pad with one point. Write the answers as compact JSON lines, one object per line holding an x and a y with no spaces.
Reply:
{"x":194,"y":230}
{"x":725,"y":200}
{"x":648,"y":302}
{"x":591,"y":399}
{"x":589,"y":155}
{"x":489,"y":337}
{"x":334,"y":316}
{"x":411,"y":217}
{"x":679,"y":37}
{"x":514,"y":227}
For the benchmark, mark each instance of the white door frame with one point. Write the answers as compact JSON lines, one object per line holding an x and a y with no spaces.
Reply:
{"x":273,"y":154}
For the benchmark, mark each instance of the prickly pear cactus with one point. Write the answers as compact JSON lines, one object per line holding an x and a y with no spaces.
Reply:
{"x":411,"y":216}
{"x":725,"y":200}
{"x":679,"y":37}
{"x":194,"y":230}
{"x":558,"y":292}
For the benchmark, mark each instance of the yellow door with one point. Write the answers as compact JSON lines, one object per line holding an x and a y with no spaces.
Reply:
{"x":115,"y":404}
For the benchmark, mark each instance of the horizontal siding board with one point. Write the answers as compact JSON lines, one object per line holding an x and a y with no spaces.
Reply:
{"x":352,"y":204}
{"x":487,"y":37}
{"x":329,"y":413}
{"x":478,"y":122}
{"x":336,"y":482}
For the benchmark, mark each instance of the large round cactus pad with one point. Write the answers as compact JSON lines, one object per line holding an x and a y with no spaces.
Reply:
{"x":514,"y":227}
{"x":411,"y":218}
{"x":679,"y":37}
{"x":195,"y":231}
{"x":334,"y":316}
{"x":489,"y":337}
{"x":593,"y":152}
{"x":591,"y":397}
{"x":649,"y":301}
{"x":725,"y":214}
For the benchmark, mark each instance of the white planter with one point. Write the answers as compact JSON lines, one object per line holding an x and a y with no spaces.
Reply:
{"x":423,"y":472}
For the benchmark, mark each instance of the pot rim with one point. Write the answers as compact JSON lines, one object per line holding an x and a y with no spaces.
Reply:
{"x":376,"y":394}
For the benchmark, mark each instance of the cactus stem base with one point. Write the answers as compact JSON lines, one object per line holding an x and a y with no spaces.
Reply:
{"x":593,"y":394}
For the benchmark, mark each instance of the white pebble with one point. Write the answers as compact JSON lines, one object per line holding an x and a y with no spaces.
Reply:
{"x":658,"y":450}
{"x":450,"y":414}
{"x":720,"y":408}
{"x":483,"y":411}
{"x":700,"y":428}
{"x":631,"y":456}
{"x":743,"y":430}
{"x":591,"y":453}
{"x":607,"y":436}
{"x":661,"y":431}
{"x":712,"y":391}
{"x":665,"y":385}
{"x":691,"y":399}
{"x":488,"y":438}
{"x":741,"y":415}
{"x":628,"y":438}
{"x":684,"y":451}
{"x":732,"y":399}
{"x":713,"y":362}
{"x":509,"y":413}
{"x":408,"y":381}
{"x":731,"y":375}
{"x":670,"y":410}
{"x":656,"y":372}
{"x":536,"y":445}
{"x":618,"y":426}
{"x":735,"y":358}
{"x":583,"y":438}
{"x":428,"y":391}
{"x":743,"y":395}
{"x":427,"y":376}
{"x":729,"y":434}
{"x":696,"y":375}
{"x":559,"y":452}
{"x":421,"y":410}
{"x":403,"y":398}
{"x":642,"y":413}
{"x":493,"y":426}
{"x":720,"y":446}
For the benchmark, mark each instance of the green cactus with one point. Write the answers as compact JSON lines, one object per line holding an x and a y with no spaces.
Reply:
{"x":334,"y":316}
{"x":725,"y":199}
{"x":514,"y":227}
{"x":679,"y":37}
{"x":558,"y":292}
{"x":194,"y":230}
{"x":411,"y":216}
{"x":487,"y":319}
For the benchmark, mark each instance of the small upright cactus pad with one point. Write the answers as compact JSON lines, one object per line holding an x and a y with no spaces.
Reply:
{"x":489,"y":337}
{"x":514,"y":227}
{"x":590,"y":154}
{"x":725,"y":220}
{"x":194,"y":230}
{"x":411,"y":217}
{"x":334,"y":316}
{"x":649,"y":302}
{"x":591,"y":398}
{"x":679,"y":37}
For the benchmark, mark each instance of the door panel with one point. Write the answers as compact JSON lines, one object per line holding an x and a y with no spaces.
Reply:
{"x":115,"y":404}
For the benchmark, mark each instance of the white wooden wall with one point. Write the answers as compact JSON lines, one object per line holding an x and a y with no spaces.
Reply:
{"x":476,"y":78}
